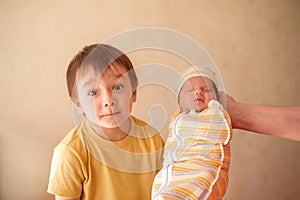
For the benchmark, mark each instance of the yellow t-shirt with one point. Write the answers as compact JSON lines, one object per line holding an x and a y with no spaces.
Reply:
{"x":86,"y":166}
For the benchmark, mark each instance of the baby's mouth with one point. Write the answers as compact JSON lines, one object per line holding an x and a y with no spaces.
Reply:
{"x":199,"y":100}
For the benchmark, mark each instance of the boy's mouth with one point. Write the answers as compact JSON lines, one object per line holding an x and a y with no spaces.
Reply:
{"x":110,"y":114}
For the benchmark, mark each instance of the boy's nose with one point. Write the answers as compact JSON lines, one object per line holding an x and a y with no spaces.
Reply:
{"x":108,"y":104}
{"x":107,"y":100}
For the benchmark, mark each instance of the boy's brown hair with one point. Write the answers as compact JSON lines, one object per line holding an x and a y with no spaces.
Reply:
{"x":100,"y":57}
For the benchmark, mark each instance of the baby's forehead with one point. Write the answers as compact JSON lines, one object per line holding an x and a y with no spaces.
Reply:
{"x":198,"y":81}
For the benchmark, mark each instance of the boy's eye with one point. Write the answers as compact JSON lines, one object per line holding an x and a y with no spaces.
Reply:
{"x":118,"y":87}
{"x":93,"y":93}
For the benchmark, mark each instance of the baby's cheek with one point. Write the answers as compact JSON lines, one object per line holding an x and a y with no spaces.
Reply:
{"x":213,"y":96}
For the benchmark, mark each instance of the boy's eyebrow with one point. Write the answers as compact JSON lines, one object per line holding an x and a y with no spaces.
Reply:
{"x":89,"y":82}
{"x":95,"y":81}
{"x":119,"y":75}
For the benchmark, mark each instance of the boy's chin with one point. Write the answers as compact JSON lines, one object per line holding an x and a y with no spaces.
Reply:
{"x":113,"y":123}
{"x":108,"y":124}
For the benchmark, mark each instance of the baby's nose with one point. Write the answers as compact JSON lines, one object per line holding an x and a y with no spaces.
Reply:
{"x":199,"y":92}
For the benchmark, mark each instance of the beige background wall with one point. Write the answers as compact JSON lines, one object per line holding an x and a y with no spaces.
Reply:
{"x":255,"y":45}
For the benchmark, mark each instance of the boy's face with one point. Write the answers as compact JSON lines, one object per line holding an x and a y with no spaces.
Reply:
{"x":106,"y":99}
{"x":196,"y":93}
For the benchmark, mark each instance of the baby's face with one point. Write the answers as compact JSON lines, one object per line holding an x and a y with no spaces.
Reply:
{"x":196,"y":93}
{"x":106,"y":99}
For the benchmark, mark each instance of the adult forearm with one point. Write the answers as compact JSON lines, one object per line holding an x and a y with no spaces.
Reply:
{"x":280,"y":121}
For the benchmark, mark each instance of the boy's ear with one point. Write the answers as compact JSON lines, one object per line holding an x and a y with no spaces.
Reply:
{"x":76,"y":102}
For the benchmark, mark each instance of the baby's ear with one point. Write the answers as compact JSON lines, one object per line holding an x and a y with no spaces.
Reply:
{"x":134,"y":96}
{"x":222,"y":98}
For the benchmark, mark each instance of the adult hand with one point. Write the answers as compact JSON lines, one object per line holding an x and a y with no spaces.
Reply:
{"x":226,"y":100}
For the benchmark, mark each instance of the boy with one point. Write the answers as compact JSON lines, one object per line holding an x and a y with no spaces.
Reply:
{"x":110,"y":154}
{"x":197,"y":152}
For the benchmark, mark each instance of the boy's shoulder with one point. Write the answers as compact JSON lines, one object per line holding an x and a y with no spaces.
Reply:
{"x":141,"y":128}
{"x":70,"y":138}
{"x":70,"y":142}
{"x":139,"y":122}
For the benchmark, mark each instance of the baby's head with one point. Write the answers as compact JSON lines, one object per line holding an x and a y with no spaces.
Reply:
{"x":102,"y":84}
{"x":197,"y":89}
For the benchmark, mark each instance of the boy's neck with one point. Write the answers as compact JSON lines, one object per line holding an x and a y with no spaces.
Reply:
{"x":113,"y":134}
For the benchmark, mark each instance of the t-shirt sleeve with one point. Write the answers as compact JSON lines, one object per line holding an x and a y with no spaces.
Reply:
{"x":66,"y":174}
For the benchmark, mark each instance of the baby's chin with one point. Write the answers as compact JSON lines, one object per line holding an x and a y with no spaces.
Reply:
{"x":201,"y":108}
{"x":198,"y":109}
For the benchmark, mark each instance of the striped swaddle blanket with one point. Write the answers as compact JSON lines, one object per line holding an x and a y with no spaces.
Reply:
{"x":196,"y":156}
